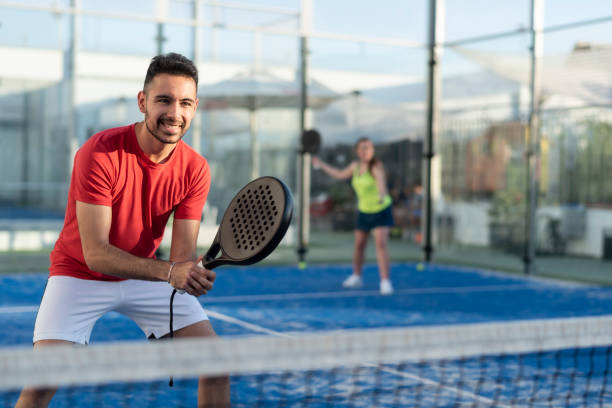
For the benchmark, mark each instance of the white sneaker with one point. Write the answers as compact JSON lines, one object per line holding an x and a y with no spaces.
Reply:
{"x":386,"y":288}
{"x":353,"y":282}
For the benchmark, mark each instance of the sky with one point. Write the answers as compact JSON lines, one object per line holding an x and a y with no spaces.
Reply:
{"x":396,"y":19}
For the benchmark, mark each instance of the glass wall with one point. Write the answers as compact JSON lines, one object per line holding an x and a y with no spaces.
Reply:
{"x":381,"y":96}
{"x":72,"y":68}
{"x":483,"y":145}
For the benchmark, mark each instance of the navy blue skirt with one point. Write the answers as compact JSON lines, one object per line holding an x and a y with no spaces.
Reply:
{"x":369,"y":221}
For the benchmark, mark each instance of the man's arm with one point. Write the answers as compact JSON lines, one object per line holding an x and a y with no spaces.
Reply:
{"x":184,"y":248}
{"x":184,"y":240}
{"x":94,"y":226}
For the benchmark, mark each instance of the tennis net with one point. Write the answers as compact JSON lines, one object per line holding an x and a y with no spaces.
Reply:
{"x":554,"y":362}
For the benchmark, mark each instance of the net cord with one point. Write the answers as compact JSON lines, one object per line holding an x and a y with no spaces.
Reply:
{"x":130,"y":361}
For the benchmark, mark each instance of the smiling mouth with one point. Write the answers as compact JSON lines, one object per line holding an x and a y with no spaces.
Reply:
{"x":170,"y":126}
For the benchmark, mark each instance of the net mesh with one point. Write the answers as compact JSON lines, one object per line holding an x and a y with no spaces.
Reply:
{"x":540,"y":363}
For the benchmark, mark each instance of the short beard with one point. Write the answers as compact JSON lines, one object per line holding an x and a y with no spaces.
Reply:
{"x":159,"y":138}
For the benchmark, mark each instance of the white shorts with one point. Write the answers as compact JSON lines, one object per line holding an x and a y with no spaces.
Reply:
{"x":70,"y":307}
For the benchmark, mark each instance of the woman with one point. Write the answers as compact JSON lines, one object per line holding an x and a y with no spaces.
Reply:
{"x":374,"y":210}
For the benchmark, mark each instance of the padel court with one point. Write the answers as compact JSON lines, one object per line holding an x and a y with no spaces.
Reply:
{"x":287,"y":301}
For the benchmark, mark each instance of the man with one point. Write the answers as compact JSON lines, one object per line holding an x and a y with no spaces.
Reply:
{"x":125,"y":184}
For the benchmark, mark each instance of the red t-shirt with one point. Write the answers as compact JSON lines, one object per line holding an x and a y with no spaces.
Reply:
{"x":110,"y":169}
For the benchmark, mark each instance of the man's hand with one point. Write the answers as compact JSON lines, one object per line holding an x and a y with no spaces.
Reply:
{"x":192,"y":278}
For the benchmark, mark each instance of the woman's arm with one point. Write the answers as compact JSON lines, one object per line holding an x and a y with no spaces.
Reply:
{"x":340,"y":174}
{"x":378,"y":171}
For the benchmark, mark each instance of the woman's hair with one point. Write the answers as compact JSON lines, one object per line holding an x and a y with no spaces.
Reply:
{"x":373,"y":160}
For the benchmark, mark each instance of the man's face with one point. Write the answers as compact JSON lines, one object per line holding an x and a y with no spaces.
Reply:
{"x":169,"y":103}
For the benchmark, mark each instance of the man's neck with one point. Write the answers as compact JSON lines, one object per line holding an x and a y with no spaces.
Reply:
{"x":155,"y":150}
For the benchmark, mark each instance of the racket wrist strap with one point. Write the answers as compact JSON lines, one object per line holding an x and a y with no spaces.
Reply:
{"x":170,"y":271}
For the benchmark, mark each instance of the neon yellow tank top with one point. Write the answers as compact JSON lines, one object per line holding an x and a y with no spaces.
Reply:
{"x":367,"y":193}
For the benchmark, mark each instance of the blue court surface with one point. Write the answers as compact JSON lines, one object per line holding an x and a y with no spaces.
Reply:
{"x":275,"y":300}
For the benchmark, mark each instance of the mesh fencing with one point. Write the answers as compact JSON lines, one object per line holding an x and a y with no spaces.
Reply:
{"x":557,"y":362}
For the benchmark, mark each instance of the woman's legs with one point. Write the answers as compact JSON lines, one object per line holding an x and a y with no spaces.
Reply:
{"x":381,"y":240}
{"x":361,"y":240}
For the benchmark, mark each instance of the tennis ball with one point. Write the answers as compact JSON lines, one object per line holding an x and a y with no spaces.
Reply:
{"x":301,"y":265}
{"x":420,"y":266}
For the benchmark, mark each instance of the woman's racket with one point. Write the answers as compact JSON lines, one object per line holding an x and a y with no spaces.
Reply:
{"x":253,"y":225}
{"x":311,"y":141}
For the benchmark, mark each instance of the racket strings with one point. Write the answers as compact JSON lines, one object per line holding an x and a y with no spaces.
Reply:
{"x":254,"y":217}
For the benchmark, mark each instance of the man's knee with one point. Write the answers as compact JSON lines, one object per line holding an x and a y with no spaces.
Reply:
{"x":202,"y":328}
{"x":35,"y":397}
{"x":214,"y":392}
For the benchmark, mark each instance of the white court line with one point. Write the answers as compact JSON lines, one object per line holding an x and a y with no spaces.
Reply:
{"x":445,"y":387}
{"x":242,"y":323}
{"x":317,"y":295}
{"x":423,"y":380}
{"x":359,"y":293}
{"x":18,"y":309}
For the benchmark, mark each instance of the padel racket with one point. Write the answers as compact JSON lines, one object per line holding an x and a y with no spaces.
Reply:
{"x":253,"y":225}
{"x":311,"y":141}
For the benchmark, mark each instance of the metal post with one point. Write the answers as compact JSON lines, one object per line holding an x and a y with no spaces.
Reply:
{"x":25,"y":146}
{"x":70,"y":73}
{"x":196,"y":123}
{"x":161,"y":16}
{"x":213,"y":33}
{"x":197,"y":16}
{"x":159,"y":38}
{"x":533,"y":137}
{"x":304,"y":158}
{"x":433,"y":82}
{"x":254,"y":144}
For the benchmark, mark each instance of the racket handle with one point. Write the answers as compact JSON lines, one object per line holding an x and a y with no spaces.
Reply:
{"x":213,"y":263}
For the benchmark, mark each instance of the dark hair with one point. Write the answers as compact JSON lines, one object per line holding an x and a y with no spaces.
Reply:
{"x":173,"y":64}
{"x":373,"y":160}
